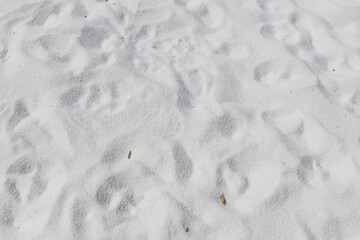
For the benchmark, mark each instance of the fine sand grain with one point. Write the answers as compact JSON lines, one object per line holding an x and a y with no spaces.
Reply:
{"x":180,"y":119}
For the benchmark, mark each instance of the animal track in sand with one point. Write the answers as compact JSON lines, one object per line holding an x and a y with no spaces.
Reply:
{"x":271,"y":73}
{"x":117,"y":196}
{"x":114,"y":152}
{"x":79,"y":11}
{"x":6,"y":216}
{"x":72,"y":96}
{"x":11,"y":188}
{"x":183,"y":163}
{"x":21,"y":166}
{"x":92,"y":37}
{"x":78,"y":218}
{"x":41,"y":15}
{"x":20,"y":112}
{"x":231,"y":180}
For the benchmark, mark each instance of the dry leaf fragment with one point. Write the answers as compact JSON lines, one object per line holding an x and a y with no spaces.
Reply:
{"x":222,"y":199}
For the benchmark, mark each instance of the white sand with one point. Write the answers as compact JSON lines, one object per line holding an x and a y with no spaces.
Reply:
{"x":256,"y":100}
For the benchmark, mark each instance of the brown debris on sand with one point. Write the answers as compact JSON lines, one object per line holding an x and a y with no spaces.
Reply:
{"x":222,"y":199}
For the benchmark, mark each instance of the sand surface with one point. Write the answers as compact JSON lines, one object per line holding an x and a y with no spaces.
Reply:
{"x":258,"y":100}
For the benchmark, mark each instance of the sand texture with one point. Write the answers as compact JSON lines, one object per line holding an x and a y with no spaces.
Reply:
{"x":180,"y":119}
